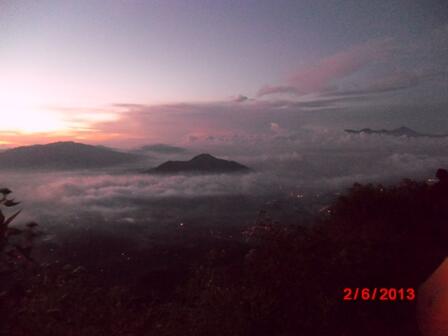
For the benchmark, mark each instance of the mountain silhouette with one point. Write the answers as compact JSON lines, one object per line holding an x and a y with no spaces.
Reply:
{"x":203,"y":163}
{"x":402,"y":131}
{"x":63,"y":155}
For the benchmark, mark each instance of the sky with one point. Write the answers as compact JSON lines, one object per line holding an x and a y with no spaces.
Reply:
{"x":130,"y":72}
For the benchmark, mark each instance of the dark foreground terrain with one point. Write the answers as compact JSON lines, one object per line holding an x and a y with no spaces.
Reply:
{"x":267,"y":279}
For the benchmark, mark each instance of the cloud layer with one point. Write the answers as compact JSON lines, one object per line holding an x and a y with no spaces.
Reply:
{"x":286,"y":163}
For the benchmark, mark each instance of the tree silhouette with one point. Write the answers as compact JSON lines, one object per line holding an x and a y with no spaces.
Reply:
{"x":15,"y":243}
{"x":442,"y":175}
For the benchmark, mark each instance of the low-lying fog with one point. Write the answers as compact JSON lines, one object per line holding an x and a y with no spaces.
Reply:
{"x":293,"y":178}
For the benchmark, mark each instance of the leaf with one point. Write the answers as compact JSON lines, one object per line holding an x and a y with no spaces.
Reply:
{"x":10,"y":203}
{"x":10,"y":219}
{"x":5,"y":191}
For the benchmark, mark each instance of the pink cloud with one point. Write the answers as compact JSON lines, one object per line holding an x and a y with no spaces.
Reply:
{"x":268,"y":89}
{"x":321,"y":76}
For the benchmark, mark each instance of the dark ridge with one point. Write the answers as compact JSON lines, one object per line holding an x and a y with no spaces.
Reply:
{"x":401,"y":131}
{"x":63,"y":156}
{"x":203,"y":163}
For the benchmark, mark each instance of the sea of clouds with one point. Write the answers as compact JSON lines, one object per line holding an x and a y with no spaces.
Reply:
{"x":285,"y":164}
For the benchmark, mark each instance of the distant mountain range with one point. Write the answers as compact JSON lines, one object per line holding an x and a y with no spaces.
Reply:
{"x":63,"y":156}
{"x":402,"y":131}
{"x":204,"y":163}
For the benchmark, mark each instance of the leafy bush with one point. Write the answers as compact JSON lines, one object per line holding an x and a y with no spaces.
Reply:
{"x":291,"y":280}
{"x":288,"y":280}
{"x":15,"y":246}
{"x":15,"y":243}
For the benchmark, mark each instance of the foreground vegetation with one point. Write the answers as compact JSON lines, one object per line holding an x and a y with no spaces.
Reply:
{"x":280,"y":280}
